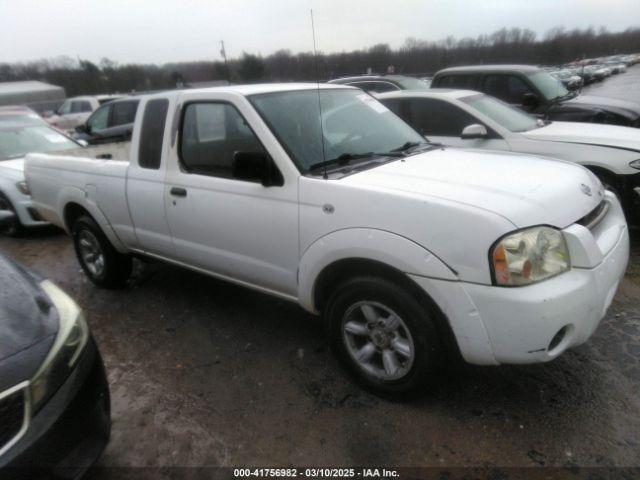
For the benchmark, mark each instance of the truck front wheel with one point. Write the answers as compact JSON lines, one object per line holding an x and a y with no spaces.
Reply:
{"x":384,"y":336}
{"x":103,"y":264}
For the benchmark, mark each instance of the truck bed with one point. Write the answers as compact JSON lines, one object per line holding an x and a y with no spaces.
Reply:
{"x":56,"y":180}
{"x":118,"y":151}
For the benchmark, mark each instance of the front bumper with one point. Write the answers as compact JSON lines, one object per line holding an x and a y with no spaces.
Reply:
{"x":70,"y":432}
{"x":26,"y":212}
{"x":495,"y":325}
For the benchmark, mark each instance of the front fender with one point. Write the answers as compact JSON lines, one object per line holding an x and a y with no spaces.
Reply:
{"x":369,"y":244}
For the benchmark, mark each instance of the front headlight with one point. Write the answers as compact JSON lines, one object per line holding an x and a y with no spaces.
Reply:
{"x":70,"y":341}
{"x":635,"y":164}
{"x":529,"y":256}
{"x":23,"y":187}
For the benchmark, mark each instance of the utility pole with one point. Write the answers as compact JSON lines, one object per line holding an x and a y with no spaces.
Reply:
{"x":223,"y":52}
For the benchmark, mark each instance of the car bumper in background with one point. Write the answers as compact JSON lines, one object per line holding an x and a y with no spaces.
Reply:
{"x":536,"y":323}
{"x":26,"y":212}
{"x":70,"y":432}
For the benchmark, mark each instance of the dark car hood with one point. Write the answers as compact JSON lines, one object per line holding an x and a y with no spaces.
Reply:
{"x":28,"y":324}
{"x":629,"y":110}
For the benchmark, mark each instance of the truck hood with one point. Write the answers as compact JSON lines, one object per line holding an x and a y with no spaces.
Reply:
{"x":28,"y":324}
{"x":526,"y":190}
{"x":589,"y":134}
{"x":629,"y":110}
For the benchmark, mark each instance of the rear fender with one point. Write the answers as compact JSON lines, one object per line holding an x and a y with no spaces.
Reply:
{"x":83,"y":198}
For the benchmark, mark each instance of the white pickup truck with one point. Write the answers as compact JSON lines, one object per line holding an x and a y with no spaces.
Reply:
{"x":409,"y":250}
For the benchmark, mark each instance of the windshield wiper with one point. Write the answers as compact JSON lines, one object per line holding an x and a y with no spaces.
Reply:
{"x":407,"y":146}
{"x":345,"y":158}
{"x":411,"y":147}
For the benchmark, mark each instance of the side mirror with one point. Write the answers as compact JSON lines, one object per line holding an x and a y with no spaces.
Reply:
{"x":6,"y":216}
{"x":530,"y":100}
{"x":474,"y":131}
{"x":83,"y":128}
{"x":256,"y":167}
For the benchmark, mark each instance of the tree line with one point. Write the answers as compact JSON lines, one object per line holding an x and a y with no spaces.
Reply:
{"x":414,"y":57}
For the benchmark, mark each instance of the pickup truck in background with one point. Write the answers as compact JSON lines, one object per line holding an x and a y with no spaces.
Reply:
{"x":320,"y":195}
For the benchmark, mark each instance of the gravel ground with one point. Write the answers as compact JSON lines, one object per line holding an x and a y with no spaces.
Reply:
{"x":207,"y":373}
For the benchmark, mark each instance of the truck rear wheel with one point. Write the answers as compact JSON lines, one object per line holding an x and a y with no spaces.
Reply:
{"x":384,"y":336}
{"x":103,"y":264}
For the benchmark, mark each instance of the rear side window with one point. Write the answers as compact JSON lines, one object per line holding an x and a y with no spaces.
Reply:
{"x":381,"y":87}
{"x":377,"y":87}
{"x":464,"y":82}
{"x":152,"y":134}
{"x":123,"y":113}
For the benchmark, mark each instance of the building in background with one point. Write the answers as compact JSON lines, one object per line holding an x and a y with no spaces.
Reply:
{"x":39,"y":96}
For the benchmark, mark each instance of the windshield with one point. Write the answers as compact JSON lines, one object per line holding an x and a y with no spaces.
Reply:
{"x":353,"y":123}
{"x":549,"y":86}
{"x":17,"y":142}
{"x":511,"y":118}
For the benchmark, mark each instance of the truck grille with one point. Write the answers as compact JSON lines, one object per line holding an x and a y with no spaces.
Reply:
{"x":12,"y":417}
{"x":595,"y":216}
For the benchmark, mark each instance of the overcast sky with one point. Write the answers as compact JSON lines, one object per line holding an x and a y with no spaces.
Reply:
{"x":159,"y":31}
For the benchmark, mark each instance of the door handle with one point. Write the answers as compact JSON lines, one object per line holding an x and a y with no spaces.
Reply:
{"x":178,"y":192}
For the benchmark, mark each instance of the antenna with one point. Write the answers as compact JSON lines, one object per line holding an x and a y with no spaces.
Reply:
{"x":315,"y":62}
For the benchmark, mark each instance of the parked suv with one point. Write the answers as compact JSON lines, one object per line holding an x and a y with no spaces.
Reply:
{"x":382,"y":83}
{"x":112,"y":122}
{"x":536,"y":91}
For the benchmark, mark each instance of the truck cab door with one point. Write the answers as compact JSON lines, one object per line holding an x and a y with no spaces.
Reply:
{"x":150,"y":148}
{"x":222,"y":222}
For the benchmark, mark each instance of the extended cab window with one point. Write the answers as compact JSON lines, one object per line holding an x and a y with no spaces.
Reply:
{"x":152,"y":134}
{"x":436,"y":117}
{"x":211,"y":134}
{"x":509,"y":88}
{"x":123,"y":113}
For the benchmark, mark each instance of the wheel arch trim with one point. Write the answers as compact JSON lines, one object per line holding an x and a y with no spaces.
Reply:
{"x":74,"y":196}
{"x":380,"y":246}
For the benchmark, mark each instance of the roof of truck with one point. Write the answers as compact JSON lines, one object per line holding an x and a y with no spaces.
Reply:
{"x":267,"y":88}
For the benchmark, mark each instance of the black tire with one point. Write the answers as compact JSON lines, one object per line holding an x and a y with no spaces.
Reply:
{"x":419,"y":319}
{"x":116,"y":267}
{"x":14,"y":228}
{"x":610,"y":183}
